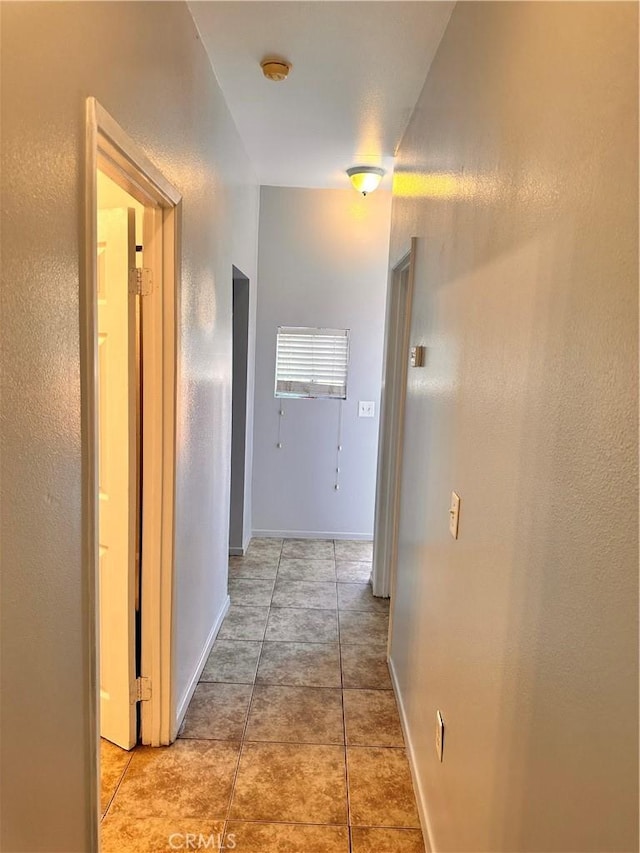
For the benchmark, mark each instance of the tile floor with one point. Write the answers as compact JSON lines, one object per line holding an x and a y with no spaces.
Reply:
{"x":292,"y":741}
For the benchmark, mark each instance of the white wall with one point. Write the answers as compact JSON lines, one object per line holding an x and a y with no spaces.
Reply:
{"x":322,"y":262}
{"x":146,"y":65}
{"x":518,"y":173}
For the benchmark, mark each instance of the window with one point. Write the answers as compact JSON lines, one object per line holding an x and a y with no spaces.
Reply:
{"x":312,"y":362}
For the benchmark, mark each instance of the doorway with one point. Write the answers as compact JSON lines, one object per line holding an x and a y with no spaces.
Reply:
{"x":238,"y":537}
{"x":120,"y":474}
{"x":129,"y":435}
{"x":394,"y":390}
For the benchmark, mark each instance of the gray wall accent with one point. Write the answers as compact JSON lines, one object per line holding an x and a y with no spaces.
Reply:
{"x":322,"y":262}
{"x":239,"y":429}
{"x":519,"y":175}
{"x":145,"y":64}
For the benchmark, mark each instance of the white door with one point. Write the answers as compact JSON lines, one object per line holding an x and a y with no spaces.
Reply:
{"x":118,"y":511}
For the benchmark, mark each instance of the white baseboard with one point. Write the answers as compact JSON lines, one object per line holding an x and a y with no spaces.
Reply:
{"x":193,"y":683}
{"x":417,"y":787}
{"x":239,"y":550}
{"x":311,"y":534}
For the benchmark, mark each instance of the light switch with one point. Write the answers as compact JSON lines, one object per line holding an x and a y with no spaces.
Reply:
{"x":454,"y":514}
{"x":366,"y":409}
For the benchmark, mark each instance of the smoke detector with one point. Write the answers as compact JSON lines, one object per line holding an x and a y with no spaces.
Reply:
{"x":275,"y":69}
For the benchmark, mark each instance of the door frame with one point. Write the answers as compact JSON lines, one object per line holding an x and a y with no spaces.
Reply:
{"x":241,"y":295}
{"x":390,"y":446}
{"x":109,"y":148}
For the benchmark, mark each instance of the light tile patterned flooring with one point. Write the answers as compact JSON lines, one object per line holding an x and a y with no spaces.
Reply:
{"x":292,"y":741}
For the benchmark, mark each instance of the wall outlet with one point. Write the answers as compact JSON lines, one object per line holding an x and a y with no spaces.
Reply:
{"x":366,"y":409}
{"x":439,"y":735}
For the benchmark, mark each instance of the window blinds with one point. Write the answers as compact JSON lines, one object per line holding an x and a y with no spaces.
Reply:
{"x":312,"y":362}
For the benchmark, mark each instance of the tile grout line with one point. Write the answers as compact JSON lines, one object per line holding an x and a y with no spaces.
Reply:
{"x":244,"y":730}
{"x":356,"y":746}
{"x":246,"y":722}
{"x":232,"y":788}
{"x":117,"y":787}
{"x":344,"y":725}
{"x":321,"y":825}
{"x":397,"y":748}
{"x":301,"y":823}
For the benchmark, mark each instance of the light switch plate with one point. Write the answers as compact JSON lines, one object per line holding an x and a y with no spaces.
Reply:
{"x":454,"y":514}
{"x":366,"y":409}
{"x":439,"y":735}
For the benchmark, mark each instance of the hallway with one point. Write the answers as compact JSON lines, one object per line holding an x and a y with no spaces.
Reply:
{"x":292,"y":741}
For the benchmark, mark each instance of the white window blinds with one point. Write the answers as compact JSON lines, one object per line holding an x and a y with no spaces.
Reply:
{"x":312,"y":362}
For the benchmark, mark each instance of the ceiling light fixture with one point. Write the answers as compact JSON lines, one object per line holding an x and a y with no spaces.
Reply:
{"x":365,"y":179}
{"x":275,"y":69}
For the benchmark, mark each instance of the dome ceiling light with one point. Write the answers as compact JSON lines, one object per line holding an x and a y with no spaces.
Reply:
{"x":365,"y":179}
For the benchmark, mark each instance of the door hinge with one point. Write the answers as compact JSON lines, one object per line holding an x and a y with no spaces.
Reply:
{"x":141,"y":690}
{"x":140,"y":281}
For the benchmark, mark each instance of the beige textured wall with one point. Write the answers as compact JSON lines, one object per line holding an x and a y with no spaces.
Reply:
{"x":145,"y":64}
{"x":519,"y":176}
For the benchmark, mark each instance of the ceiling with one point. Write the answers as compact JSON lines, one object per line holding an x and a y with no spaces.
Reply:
{"x":358,"y":69}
